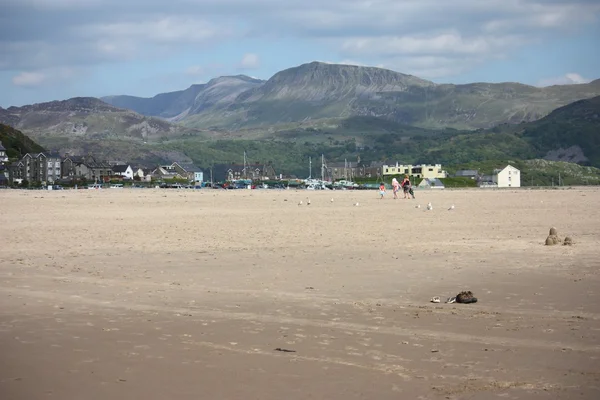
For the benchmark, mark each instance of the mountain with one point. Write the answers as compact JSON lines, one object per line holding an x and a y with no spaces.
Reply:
{"x":312,"y":92}
{"x":176,"y":105}
{"x":82,"y":124}
{"x":16,"y":143}
{"x":87,"y":117}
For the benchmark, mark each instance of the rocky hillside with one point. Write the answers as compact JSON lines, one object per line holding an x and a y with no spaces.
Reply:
{"x":83,"y":124}
{"x":316,"y":91}
{"x":195,"y":99}
{"x":90,"y":118}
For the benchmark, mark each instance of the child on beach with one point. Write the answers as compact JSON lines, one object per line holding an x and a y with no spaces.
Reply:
{"x":395,"y":187}
{"x":382,"y":190}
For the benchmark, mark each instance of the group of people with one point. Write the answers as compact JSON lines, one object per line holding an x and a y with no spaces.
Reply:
{"x":405,"y":185}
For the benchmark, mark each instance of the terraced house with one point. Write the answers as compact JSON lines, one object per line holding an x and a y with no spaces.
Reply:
{"x":37,"y":167}
{"x":86,"y":167}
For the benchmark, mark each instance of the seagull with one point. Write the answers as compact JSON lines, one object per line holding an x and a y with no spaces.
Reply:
{"x":429,"y":206}
{"x":332,"y":199}
{"x":308,"y":202}
{"x":451,"y":207}
{"x":356,"y":205}
{"x":418,"y":206}
{"x":300,"y":203}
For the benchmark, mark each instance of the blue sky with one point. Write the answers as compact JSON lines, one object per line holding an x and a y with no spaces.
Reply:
{"x":57,"y":49}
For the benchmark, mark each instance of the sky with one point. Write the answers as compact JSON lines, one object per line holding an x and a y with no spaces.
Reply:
{"x":58,"y":49}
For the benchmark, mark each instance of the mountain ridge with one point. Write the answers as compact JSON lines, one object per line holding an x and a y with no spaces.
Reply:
{"x":176,"y":105}
{"x":316,"y":90}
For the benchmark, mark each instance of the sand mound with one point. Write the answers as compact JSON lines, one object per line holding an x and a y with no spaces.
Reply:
{"x":554,"y":239}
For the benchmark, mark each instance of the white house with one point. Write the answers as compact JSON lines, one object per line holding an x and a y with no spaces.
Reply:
{"x":431,"y":183}
{"x":509,"y":176}
{"x":139,"y":173}
{"x":123,"y":170}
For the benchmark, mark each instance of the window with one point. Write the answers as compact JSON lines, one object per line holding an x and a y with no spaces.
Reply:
{"x":49,"y":164}
{"x":57,"y":164}
{"x":386,"y":170}
{"x":430,"y":169}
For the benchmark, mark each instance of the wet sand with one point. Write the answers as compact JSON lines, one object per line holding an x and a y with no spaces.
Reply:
{"x":167,"y":294}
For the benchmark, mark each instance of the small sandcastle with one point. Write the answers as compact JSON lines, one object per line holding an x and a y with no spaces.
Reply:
{"x":554,"y":239}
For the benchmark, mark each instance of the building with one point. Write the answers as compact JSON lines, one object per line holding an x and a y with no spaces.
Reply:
{"x":347,"y":170}
{"x":431,"y":183}
{"x":486,"y":181}
{"x":138,"y":173}
{"x":165,"y":172}
{"x":193,"y":173}
{"x":418,"y":171}
{"x":124,"y":171}
{"x":467,"y":173}
{"x":3,"y":155}
{"x":15,"y":172}
{"x":86,"y":167}
{"x":37,"y":167}
{"x":255,"y":171}
{"x":509,"y":176}
{"x":4,"y":175}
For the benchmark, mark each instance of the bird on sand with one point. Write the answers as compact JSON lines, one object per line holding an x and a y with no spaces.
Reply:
{"x":429,"y":206}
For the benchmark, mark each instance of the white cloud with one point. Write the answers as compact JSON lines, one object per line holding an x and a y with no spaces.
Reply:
{"x":568,"y":79}
{"x":157,"y":30}
{"x":372,"y":32}
{"x":195,"y":70}
{"x":28,"y":79}
{"x":250,"y":61}
{"x":43,"y":77}
{"x":442,"y":43}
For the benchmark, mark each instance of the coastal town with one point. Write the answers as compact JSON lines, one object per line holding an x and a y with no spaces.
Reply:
{"x":51,"y":169}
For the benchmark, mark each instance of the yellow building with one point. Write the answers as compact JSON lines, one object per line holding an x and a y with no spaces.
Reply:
{"x":418,"y":171}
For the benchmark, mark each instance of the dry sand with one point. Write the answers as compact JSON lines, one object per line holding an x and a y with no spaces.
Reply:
{"x":166,"y":294}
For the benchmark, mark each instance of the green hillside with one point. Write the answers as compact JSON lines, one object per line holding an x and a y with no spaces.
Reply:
{"x":538,"y":172}
{"x":16,"y":143}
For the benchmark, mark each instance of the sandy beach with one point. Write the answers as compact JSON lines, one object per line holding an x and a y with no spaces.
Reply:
{"x":245,"y":294}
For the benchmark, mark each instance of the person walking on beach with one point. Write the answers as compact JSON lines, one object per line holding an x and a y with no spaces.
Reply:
{"x":395,"y":187}
{"x":406,"y":186}
{"x":382,"y":190}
